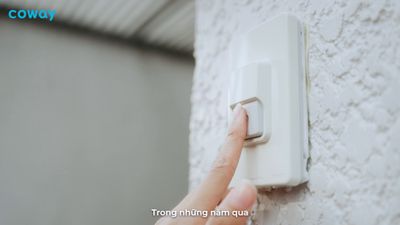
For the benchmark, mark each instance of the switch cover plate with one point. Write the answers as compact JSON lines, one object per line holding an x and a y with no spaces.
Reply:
{"x":268,"y":69}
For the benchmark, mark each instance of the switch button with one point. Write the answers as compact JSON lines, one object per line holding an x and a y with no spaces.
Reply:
{"x":255,"y":119}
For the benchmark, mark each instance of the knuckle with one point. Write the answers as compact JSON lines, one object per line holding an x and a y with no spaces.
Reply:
{"x":223,"y":168}
{"x":235,"y":135}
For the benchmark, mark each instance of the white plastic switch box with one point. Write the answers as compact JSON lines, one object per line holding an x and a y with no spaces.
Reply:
{"x":268,"y":77}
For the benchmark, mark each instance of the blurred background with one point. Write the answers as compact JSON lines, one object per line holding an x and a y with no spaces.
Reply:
{"x":94,"y":115}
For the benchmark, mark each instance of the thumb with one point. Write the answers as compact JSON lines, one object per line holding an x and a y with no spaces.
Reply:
{"x":239,"y":199}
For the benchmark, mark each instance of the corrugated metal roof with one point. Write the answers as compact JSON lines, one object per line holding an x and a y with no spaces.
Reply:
{"x":165,"y":23}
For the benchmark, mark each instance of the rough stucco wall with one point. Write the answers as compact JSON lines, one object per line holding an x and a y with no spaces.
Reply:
{"x":354,"y":107}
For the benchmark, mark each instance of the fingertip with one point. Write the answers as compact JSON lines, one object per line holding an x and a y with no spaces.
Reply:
{"x":251,"y":191}
{"x":243,"y":196}
{"x":239,"y":121}
{"x":237,"y":109}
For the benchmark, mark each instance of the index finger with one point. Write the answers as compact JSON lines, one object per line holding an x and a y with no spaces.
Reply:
{"x":212,"y":189}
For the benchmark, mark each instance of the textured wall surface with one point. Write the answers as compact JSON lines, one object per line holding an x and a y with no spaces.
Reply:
{"x":354,"y":69}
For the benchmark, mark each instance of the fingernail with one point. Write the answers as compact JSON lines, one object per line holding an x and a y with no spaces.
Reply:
{"x":243,"y":196}
{"x":236,"y":110}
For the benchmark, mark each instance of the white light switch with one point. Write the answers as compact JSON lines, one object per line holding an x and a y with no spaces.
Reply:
{"x":250,"y":86}
{"x":255,"y":119}
{"x":268,"y":77}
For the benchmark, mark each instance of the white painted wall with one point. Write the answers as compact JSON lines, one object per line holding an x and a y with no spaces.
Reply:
{"x":354,"y":107}
{"x":91,"y":132}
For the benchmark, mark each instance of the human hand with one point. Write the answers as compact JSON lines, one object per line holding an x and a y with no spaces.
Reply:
{"x":213,"y":191}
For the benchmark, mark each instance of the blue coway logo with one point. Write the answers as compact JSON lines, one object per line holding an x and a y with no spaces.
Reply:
{"x":31,"y":14}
